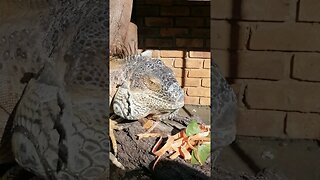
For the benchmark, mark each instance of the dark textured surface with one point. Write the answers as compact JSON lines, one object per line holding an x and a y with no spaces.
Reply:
{"x":136,"y":156}
{"x":54,"y":63}
{"x":223,"y":109}
{"x":287,"y":159}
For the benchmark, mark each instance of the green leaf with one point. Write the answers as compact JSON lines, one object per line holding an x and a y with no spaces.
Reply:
{"x":193,"y":158}
{"x":192,"y":128}
{"x":204,"y":152}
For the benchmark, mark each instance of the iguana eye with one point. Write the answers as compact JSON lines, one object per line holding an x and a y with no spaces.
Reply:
{"x":152,"y":83}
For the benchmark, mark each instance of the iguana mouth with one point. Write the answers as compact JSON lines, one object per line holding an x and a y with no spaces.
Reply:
{"x":135,"y":104}
{"x":163,"y":114}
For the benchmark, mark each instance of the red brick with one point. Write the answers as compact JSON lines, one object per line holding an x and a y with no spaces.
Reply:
{"x":260,"y":123}
{"x":207,"y":44}
{"x":199,"y":54}
{"x":179,"y":72}
{"x":200,"y":32}
{"x":188,"y":63}
{"x":168,"y":61}
{"x":175,"y":11}
{"x":190,"y":82}
{"x":205,"y":101}
{"x":140,"y":2}
{"x":264,"y":65}
{"x":207,"y":22}
{"x":149,"y":32}
{"x":223,"y":35}
{"x":191,"y":100}
{"x":205,"y":82}
{"x":198,"y":91}
{"x":158,"y":21}
{"x":306,"y":67}
{"x":159,"y":2}
{"x":155,"y":53}
{"x":309,"y":10}
{"x":189,"y":43}
{"x":189,"y":22}
{"x":174,"y":32}
{"x":171,"y":53}
{"x":192,"y":3}
{"x":179,"y":63}
{"x":303,"y":125}
{"x":199,"y":73}
{"x":271,"y":10}
{"x":200,"y":11}
{"x":141,"y":42}
{"x":158,"y":43}
{"x":288,"y":37}
{"x":290,"y":96}
{"x":206,"y":64}
{"x":144,"y":11}
{"x":139,"y":22}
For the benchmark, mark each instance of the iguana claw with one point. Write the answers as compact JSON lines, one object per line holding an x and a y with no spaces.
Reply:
{"x":115,"y":161}
{"x":113,"y":126}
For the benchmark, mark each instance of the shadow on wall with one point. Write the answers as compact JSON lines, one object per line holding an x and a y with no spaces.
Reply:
{"x":234,"y":40}
{"x":233,"y":72}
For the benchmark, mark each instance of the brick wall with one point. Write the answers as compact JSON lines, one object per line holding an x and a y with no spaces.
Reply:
{"x":270,"y":52}
{"x":178,"y":32}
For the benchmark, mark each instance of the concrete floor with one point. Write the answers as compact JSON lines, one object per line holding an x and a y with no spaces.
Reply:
{"x":292,"y":159}
{"x":202,"y":111}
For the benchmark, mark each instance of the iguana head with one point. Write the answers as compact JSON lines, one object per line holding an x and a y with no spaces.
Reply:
{"x":149,"y":88}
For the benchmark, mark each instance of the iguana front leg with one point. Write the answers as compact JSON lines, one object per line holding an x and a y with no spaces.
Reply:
{"x":113,"y":125}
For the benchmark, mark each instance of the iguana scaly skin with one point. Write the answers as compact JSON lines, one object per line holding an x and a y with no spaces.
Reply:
{"x":56,"y":73}
{"x":53,"y":70}
{"x":142,"y":86}
{"x":223,"y":110}
{"x":139,"y":87}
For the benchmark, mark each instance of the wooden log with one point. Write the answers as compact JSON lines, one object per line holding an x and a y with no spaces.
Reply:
{"x":120,"y":15}
{"x":131,"y":41}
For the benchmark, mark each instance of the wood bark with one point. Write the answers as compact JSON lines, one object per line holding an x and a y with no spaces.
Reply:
{"x":122,"y":34}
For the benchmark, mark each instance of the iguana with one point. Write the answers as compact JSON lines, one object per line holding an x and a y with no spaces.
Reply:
{"x":134,"y":91}
{"x":141,"y":86}
{"x":54,"y":69}
{"x":224,"y":110}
